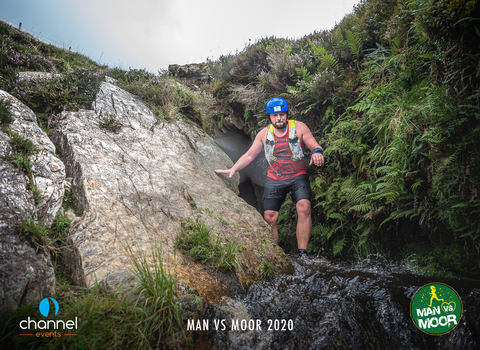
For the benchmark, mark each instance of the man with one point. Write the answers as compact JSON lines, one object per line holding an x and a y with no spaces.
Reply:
{"x":283,"y":142}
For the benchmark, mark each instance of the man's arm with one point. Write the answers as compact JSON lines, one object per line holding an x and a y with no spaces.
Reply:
{"x":309,"y":141}
{"x":248,"y":157}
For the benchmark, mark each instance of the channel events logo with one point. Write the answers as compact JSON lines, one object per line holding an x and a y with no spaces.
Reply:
{"x":436,"y":308}
{"x":43,"y":328}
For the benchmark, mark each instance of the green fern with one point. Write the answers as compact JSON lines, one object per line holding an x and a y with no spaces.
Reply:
{"x":338,"y":246}
{"x":246,"y":114}
{"x":336,"y":216}
{"x":416,"y":185}
{"x":327,"y":60}
{"x":362,"y":208}
{"x":354,"y":43}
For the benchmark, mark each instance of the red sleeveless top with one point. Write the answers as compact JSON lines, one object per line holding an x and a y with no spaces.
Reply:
{"x":284,"y":165}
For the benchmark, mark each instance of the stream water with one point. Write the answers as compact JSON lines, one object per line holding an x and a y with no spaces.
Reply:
{"x":336,"y":305}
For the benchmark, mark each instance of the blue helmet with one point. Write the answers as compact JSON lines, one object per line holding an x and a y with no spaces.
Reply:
{"x":277,"y":104}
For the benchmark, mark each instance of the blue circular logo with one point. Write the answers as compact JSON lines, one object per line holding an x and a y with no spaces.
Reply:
{"x":44,"y":306}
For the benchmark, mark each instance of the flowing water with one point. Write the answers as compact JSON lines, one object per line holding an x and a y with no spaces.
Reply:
{"x":336,"y":305}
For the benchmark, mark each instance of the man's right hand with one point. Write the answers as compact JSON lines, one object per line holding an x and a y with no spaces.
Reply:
{"x":248,"y":157}
{"x":229,"y":172}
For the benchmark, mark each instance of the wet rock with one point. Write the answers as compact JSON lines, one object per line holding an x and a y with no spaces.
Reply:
{"x":25,"y":274}
{"x":338,"y":305}
{"x":134,"y":188}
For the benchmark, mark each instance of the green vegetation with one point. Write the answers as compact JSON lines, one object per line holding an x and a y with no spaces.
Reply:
{"x":161,"y":313}
{"x":51,"y":238}
{"x":218,"y":217}
{"x":21,"y":145}
{"x":37,"y":233}
{"x":144,"y":318}
{"x":264,"y":246}
{"x":443,"y":260}
{"x":67,"y":199}
{"x":392,"y":94}
{"x":23,"y":149}
{"x":167,"y":98}
{"x":5,"y":113}
{"x":37,"y":194}
{"x":74,"y":79}
{"x":110,"y":123}
{"x":198,"y":241}
{"x":71,"y":83}
{"x":265,"y":270}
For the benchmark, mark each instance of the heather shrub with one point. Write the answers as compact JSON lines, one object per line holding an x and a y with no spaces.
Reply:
{"x":24,"y":57}
{"x":71,"y":91}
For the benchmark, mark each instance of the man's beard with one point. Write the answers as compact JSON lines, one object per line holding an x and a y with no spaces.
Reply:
{"x":280,"y":126}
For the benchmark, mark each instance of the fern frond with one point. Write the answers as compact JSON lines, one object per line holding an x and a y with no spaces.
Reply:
{"x":384,"y":169}
{"x":358,"y":195}
{"x":336,"y":216}
{"x":362,"y":208}
{"x":416,"y":185}
{"x":325,"y":58}
{"x":363,"y":105}
{"x":337,"y":38}
{"x":338,"y":246}
{"x":396,"y":215}
{"x":354,"y":43}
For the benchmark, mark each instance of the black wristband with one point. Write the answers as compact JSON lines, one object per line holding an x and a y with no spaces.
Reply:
{"x":316,"y":150}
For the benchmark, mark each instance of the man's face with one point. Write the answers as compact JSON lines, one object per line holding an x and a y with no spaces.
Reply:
{"x":279,"y":120}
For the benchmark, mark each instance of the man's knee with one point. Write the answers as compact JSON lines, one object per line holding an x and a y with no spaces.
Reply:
{"x":270,"y":217}
{"x":303,"y":207}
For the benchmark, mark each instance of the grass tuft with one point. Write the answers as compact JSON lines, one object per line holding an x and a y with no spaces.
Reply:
{"x":49,"y":238}
{"x":160,"y":313}
{"x":5,"y":112}
{"x":110,"y":123}
{"x":198,"y":241}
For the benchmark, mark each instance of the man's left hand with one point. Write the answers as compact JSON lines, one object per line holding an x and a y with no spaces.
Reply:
{"x":317,"y":159}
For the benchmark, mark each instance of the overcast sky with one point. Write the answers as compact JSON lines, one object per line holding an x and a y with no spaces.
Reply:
{"x":152,"y":34}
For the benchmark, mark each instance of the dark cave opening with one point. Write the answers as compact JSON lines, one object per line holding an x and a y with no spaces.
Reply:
{"x":252,"y":178}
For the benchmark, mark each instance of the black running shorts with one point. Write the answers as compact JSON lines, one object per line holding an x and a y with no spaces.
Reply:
{"x":276,"y":191}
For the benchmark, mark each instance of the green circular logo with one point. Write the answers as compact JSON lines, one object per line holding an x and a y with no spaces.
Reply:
{"x":436,"y":308}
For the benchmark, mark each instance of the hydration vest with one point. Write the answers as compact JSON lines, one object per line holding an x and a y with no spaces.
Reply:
{"x":293,"y":142}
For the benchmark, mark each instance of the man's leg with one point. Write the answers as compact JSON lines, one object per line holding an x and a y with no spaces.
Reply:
{"x":271,"y":218}
{"x":304,"y":224}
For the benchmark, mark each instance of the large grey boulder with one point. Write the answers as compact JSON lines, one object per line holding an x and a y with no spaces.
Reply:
{"x":25,"y":274}
{"x":134,"y":189}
